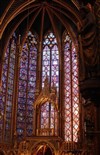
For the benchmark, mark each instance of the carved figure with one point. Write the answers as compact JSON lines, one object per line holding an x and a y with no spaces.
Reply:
{"x":89,"y":42}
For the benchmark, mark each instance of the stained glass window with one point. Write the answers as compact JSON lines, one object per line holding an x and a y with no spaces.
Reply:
{"x":6,"y":96}
{"x":26,"y":86}
{"x":71,"y":90}
{"x":50,"y":69}
{"x":26,"y":80}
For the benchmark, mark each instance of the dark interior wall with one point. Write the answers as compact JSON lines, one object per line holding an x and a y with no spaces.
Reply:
{"x":1,"y":153}
{"x":98,"y":130}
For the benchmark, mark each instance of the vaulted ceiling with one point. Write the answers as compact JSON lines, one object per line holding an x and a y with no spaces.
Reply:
{"x":38,"y":16}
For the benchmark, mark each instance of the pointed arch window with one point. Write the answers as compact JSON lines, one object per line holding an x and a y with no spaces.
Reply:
{"x":26,"y":80}
{"x":50,"y":60}
{"x":71,"y":90}
{"x":50,"y":68}
{"x":6,"y":96}
{"x":27,"y":86}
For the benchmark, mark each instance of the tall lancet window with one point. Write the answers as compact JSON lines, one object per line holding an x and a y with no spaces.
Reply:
{"x":50,"y":68}
{"x":27,"y":86}
{"x":71,"y":90}
{"x":7,"y":91}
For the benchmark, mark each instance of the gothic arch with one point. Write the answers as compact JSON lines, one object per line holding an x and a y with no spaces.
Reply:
{"x":39,"y":145}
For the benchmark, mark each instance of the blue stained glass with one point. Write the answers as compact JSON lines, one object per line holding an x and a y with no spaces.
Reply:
{"x":22,"y":83}
{"x":7,"y":87}
{"x":27,"y":82}
{"x":21,"y":106}
{"x":30,"y":95}
{"x":30,"y":114}
{"x":32,"y":73}
{"x":5,"y":67}
{"x":30,"y":102}
{"x":20,"y":131}
{"x":50,"y":68}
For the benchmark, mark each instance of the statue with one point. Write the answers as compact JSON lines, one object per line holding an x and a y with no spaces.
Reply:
{"x":90,"y":32}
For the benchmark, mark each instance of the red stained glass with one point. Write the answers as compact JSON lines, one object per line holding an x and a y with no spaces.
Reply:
{"x":71,"y":93}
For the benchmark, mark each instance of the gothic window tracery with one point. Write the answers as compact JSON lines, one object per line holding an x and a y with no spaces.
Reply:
{"x":7,"y":91}
{"x":71,"y":90}
{"x":27,"y":85}
{"x":50,"y":68}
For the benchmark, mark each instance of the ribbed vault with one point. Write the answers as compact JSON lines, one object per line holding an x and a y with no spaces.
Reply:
{"x":40,"y":16}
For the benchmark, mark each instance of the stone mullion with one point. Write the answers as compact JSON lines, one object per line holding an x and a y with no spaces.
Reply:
{"x":13,"y":97}
{"x":71,"y":91}
{"x":16,"y":76}
{"x":61,"y":112}
{"x":37,"y":86}
{"x":50,"y":88}
{"x":25,"y":133}
{"x":80,"y":134}
{"x":60,"y":98}
{"x":39,"y":77}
